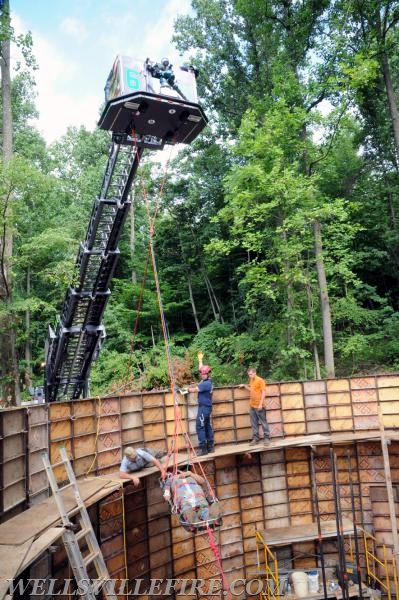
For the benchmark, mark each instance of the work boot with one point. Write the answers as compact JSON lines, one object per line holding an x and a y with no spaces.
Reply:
{"x":211,"y":447}
{"x":203,"y":450}
{"x":253,"y":443}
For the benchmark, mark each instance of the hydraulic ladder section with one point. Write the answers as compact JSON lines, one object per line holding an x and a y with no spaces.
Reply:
{"x":87,"y":588}
{"x":75,"y":343}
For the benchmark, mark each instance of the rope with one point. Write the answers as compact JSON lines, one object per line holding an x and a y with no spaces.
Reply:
{"x":136,"y":322}
{"x":178,"y":422}
{"x":216,"y":552}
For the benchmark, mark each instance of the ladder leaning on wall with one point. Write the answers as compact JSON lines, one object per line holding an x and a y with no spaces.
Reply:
{"x":87,"y":588}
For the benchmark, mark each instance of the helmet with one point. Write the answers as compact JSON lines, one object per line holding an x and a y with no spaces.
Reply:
{"x":165,"y":62}
{"x":205,"y":369}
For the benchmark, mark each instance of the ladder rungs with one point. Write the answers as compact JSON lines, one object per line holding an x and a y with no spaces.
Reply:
{"x":90,"y":557}
{"x":82,"y":533}
{"x":65,"y":487}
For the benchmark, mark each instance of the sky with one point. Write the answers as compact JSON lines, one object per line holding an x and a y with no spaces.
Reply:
{"x":75,"y":43}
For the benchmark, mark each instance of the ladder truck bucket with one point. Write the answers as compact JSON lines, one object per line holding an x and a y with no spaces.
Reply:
{"x":141,"y":107}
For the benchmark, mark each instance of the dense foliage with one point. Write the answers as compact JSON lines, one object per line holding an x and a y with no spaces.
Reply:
{"x":277,"y":238}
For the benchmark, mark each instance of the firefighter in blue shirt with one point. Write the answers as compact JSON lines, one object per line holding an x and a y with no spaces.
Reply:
{"x":203,"y":421}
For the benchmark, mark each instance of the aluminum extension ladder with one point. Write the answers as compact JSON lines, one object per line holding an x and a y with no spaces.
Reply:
{"x":89,"y":588}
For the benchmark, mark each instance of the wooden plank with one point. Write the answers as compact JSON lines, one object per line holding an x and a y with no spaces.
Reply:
{"x":39,"y":546}
{"x":275,"y":444}
{"x":11,"y":558}
{"x":282,"y":536}
{"x":35,"y":520}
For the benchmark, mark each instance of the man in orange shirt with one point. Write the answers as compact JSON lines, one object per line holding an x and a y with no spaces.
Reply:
{"x":257,"y":406}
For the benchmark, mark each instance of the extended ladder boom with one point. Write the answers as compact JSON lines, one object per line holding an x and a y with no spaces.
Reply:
{"x":140,"y":115}
{"x":72,"y":347}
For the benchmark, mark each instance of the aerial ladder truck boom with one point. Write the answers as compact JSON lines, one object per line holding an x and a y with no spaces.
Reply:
{"x":147,"y":106}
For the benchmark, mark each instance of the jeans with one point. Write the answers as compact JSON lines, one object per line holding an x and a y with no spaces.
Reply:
{"x":203,"y":426}
{"x":258,"y":417}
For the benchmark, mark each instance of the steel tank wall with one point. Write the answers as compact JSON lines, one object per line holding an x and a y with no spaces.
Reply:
{"x":272,"y":488}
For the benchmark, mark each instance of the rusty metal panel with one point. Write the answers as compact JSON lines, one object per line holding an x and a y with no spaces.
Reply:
{"x":294,"y":428}
{"x":131,"y":402}
{"x":241,"y":406}
{"x":154,"y":432}
{"x":131,"y":419}
{"x":338,"y":398}
{"x":318,"y":426}
{"x":224,"y":424}
{"x":66,"y":441}
{"x":84,"y":425}
{"x":61,"y":430}
{"x":314,"y":387}
{"x":59,"y":411}
{"x":292,"y":401}
{"x":14,"y":461}
{"x":242,"y":421}
{"x":337,"y":385}
{"x":111,"y":521}
{"x":109,"y":458}
{"x":291,"y":388}
{"x":293,"y":416}
{"x":38,"y":432}
{"x":387,"y":381}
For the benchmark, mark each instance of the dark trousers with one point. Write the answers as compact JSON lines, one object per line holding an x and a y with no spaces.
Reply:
{"x":258,"y":417}
{"x":203,"y":426}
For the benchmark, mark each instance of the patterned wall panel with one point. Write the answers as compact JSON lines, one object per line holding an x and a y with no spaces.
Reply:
{"x":14,"y":466}
{"x":271,"y":488}
{"x":37,"y":443}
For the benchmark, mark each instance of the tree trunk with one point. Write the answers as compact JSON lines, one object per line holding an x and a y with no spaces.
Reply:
{"x":28,"y":344}
{"x":193,"y":306}
{"x":189,"y":283}
{"x":290,"y":296}
{"x":212,"y":296}
{"x":215,"y":313}
{"x":393,"y":109}
{"x":317,"y":372}
{"x":325,"y":303}
{"x":8,"y":354}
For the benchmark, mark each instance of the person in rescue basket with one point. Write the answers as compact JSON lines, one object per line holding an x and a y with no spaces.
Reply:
{"x":203,"y":421}
{"x":135,"y":459}
{"x":195,"y":510}
{"x":257,"y":406}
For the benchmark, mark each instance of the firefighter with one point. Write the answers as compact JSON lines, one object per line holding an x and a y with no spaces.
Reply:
{"x":203,"y":420}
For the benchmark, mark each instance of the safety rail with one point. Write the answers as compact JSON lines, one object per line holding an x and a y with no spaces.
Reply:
{"x":386,"y":565}
{"x":270,"y":574}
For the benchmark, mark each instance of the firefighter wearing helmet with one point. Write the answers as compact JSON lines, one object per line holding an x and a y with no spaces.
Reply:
{"x":203,"y":420}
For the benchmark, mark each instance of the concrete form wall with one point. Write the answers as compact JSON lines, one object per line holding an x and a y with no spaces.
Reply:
{"x":270,"y":489}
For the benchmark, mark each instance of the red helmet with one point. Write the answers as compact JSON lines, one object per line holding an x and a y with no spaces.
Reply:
{"x":205,"y":369}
